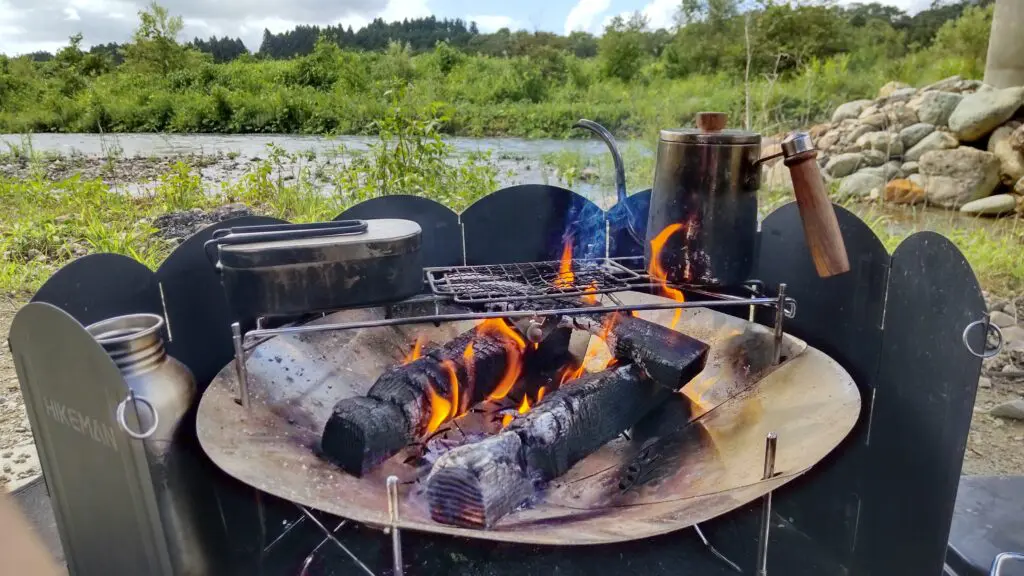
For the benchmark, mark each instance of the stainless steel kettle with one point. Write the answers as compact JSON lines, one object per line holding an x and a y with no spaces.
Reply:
{"x":702,"y":224}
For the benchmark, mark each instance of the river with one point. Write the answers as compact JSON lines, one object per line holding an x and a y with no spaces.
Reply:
{"x":519,"y":161}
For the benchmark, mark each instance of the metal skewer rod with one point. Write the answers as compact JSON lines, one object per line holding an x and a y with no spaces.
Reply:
{"x":335,"y":540}
{"x":396,"y":536}
{"x":771,"y":442}
{"x":306,"y":329}
{"x":780,"y":316}
{"x":243,"y":381}
{"x":715,"y":551}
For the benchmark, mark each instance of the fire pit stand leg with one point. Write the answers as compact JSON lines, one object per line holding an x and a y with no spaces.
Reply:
{"x":330,"y":536}
{"x":766,"y":501}
{"x":714,"y":550}
{"x":243,"y":381}
{"x":780,"y":316}
{"x":396,"y":535}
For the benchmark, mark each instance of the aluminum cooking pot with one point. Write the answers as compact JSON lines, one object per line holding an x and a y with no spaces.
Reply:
{"x":285,"y":269}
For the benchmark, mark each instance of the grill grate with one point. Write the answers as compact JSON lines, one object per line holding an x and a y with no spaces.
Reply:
{"x":531,"y":280}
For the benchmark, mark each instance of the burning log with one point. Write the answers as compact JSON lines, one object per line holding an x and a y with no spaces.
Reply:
{"x":477,"y":484}
{"x":670,"y":358}
{"x":414,"y":399}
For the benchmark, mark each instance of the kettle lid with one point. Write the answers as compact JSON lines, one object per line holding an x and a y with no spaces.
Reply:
{"x":721,"y":137}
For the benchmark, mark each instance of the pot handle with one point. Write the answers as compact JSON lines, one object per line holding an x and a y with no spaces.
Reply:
{"x":821,"y":228}
{"x":272,"y":232}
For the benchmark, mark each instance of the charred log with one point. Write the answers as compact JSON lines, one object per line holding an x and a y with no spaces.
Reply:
{"x":409,"y":401}
{"x":670,"y":358}
{"x":541,"y":445}
{"x":475,"y":485}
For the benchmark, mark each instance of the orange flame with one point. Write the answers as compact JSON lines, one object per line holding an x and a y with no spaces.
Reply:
{"x":467,"y":356}
{"x":415,"y":352}
{"x":514,"y":348}
{"x":524,"y":407}
{"x":540,"y":394}
{"x":439,"y":410}
{"x":506,"y":420}
{"x":590,"y":296}
{"x":566,"y":279}
{"x":659,"y":274}
{"x":570,"y":373}
{"x":453,"y":385}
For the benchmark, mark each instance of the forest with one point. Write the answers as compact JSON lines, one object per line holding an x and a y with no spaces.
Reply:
{"x":775,"y":63}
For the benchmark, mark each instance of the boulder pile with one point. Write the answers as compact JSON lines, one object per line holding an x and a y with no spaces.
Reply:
{"x":956,"y":144}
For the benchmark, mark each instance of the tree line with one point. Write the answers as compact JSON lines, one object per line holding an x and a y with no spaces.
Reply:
{"x":708,"y":35}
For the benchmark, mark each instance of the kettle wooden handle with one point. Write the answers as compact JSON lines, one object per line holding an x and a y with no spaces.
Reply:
{"x":819,"y":218}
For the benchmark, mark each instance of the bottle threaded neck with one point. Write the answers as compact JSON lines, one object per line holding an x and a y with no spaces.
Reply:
{"x":133,"y":341}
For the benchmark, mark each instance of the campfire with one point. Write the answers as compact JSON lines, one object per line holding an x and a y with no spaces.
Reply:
{"x":493,"y":415}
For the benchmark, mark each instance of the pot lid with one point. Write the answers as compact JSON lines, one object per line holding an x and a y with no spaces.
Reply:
{"x":382,"y":237}
{"x":728,"y":136}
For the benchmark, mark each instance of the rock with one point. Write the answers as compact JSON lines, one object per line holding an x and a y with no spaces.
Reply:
{"x":980,"y":113}
{"x":869,"y":111}
{"x":1019,"y":186}
{"x":860,"y":185}
{"x":844,"y":164}
{"x":955,"y":177}
{"x":899,"y":117}
{"x":902,"y":95}
{"x":914,"y":133}
{"x":1013,"y":410}
{"x":850,"y":110}
{"x":984,"y":382}
{"x":917,"y":179}
{"x":873,"y":157}
{"x":877,"y":121}
{"x":1002,"y":319}
{"x":944,"y":84}
{"x":818,"y":130}
{"x":1013,"y":334}
{"x":935,"y":107}
{"x":991,"y":206}
{"x":887,"y":171}
{"x":935,"y":141}
{"x":828,"y":140}
{"x":903,"y":191}
{"x":777,"y":177}
{"x":908,"y":167}
{"x":1017,"y":139}
{"x":890,"y":88}
{"x":885,"y":141}
{"x":857,"y":132}
{"x":590,"y":174}
{"x":1011,"y":160}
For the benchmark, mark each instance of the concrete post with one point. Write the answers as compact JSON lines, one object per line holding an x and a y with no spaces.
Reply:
{"x":1004,"y":66}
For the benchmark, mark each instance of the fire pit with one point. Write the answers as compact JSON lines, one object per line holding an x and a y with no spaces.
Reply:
{"x":867,"y":389}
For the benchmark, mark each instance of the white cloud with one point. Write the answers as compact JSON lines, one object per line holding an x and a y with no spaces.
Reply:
{"x":661,"y":13}
{"x":908,"y":6}
{"x":488,"y":23}
{"x":402,"y":9}
{"x":585,"y":14}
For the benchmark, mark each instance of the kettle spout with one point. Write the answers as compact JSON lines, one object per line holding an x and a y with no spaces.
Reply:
{"x":620,"y":170}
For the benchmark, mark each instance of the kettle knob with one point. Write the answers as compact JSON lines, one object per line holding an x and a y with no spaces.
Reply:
{"x":712,"y":121}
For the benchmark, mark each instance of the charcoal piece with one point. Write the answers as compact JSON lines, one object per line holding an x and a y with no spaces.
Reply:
{"x":477,"y":484}
{"x":363,"y":432}
{"x":670,"y":358}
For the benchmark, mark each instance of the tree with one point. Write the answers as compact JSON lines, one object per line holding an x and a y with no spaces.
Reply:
{"x":621,"y":49}
{"x":154,"y":45}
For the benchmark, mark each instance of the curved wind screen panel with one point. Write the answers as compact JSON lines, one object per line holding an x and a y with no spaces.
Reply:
{"x":842,"y":316}
{"x":531,"y":223}
{"x":198,"y":315}
{"x":627,"y":226}
{"x":101,"y":286}
{"x":442,"y":236}
{"x":924,"y":401}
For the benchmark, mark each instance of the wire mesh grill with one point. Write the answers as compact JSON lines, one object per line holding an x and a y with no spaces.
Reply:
{"x":531,"y":280}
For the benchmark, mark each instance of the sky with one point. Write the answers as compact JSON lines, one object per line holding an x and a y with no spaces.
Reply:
{"x":30,"y":25}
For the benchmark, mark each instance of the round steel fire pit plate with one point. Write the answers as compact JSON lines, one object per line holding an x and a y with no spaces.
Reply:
{"x":697,"y":458}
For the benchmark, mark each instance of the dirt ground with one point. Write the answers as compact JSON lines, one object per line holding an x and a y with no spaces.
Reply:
{"x":995,"y":446}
